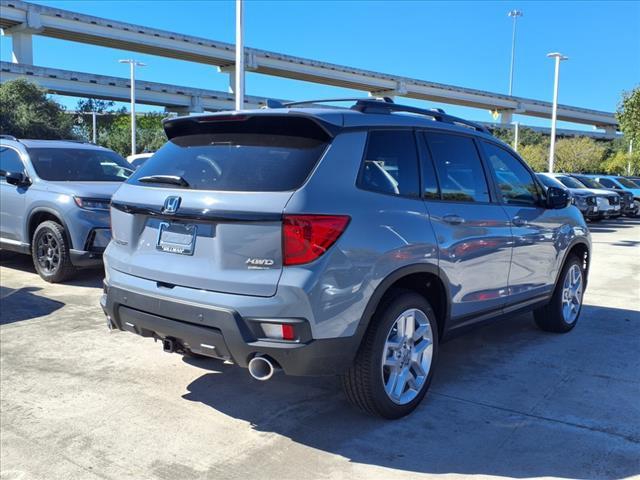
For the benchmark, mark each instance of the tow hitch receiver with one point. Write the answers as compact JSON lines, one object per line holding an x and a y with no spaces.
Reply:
{"x":168,"y":345}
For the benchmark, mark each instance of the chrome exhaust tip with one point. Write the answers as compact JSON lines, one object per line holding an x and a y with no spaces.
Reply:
{"x":262,"y":368}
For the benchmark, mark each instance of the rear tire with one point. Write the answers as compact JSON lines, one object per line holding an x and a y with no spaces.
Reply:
{"x":50,"y":252}
{"x":394,"y":366}
{"x":561,"y":314}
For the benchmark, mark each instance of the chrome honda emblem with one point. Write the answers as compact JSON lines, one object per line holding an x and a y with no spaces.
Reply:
{"x":171,"y":205}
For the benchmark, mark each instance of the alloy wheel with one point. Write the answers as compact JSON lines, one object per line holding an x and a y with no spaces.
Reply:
{"x":572,"y":294}
{"x":407,"y":356}
{"x":48,"y":253}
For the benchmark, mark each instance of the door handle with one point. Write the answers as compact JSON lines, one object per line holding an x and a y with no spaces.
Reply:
{"x":518,"y":222}
{"x":453,"y":219}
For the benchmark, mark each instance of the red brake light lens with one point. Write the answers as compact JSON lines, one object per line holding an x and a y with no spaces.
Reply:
{"x":288,"y":332}
{"x":307,"y":237}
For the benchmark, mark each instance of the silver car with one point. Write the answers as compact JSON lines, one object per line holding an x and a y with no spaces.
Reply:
{"x":54,"y":202}
{"x":346,"y":242}
{"x":608,"y":202}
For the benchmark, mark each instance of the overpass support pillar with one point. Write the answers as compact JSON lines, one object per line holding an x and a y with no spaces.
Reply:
{"x":399,"y":90}
{"x":22,"y":48}
{"x":194,"y":107}
{"x":610,"y":130}
{"x":506,"y":117}
{"x":250,"y":65}
{"x":22,"y":37}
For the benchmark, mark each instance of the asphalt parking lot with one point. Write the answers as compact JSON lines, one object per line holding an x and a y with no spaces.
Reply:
{"x":508,"y":400}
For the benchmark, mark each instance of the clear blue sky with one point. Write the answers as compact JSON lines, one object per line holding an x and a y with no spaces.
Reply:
{"x":460,"y":43}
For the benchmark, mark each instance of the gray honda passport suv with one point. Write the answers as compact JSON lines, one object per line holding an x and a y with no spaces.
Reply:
{"x":338,"y":241}
{"x":54,"y":202}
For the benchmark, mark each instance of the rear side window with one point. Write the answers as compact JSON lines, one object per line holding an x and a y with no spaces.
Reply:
{"x":250,"y":162}
{"x":391,"y":163}
{"x":515,"y":182}
{"x":459,"y":168}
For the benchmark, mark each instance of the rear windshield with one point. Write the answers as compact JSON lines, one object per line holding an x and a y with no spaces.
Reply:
{"x":250,"y":162}
{"x":79,"y":165}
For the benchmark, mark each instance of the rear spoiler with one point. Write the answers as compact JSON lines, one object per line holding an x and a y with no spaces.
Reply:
{"x":271,"y":123}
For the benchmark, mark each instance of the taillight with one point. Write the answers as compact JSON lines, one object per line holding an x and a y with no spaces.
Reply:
{"x":307,"y":237}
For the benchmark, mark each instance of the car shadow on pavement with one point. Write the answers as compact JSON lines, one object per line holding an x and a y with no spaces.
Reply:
{"x":86,"y":277}
{"x":21,"y":304}
{"x":499,"y":405}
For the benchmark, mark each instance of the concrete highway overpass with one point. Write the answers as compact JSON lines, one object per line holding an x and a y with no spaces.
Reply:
{"x":76,"y":84}
{"x":22,"y":20}
{"x":174,"y":98}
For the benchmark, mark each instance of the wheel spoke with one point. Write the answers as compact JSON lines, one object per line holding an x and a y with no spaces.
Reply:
{"x":392,"y":362}
{"x":420,"y":348}
{"x":417,"y":368}
{"x":409,"y":325}
{"x":395,"y":343}
{"x":412,"y":381}
{"x":401,"y":383}
{"x":420,"y":332}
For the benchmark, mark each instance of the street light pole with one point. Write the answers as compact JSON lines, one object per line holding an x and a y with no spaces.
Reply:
{"x":93,"y":127}
{"x":239,"y":87}
{"x":554,"y":113}
{"x":133,"y":64}
{"x":513,"y":14}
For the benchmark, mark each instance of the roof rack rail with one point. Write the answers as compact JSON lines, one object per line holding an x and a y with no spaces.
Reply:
{"x":9,"y":137}
{"x":376,"y":106}
{"x":271,"y":103}
{"x":347,"y":99}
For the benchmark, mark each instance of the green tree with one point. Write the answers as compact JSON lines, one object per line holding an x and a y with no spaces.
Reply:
{"x":107,"y":114}
{"x":536,"y":155}
{"x":149,"y":134}
{"x":621,"y":163}
{"x":27,"y":112}
{"x":628,"y":115}
{"x":579,"y":154}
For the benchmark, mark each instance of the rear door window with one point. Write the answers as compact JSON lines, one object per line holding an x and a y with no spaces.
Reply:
{"x":391,"y":163}
{"x":459,"y":167}
{"x":252,"y":162}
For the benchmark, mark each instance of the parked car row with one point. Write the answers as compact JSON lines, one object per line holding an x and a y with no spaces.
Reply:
{"x":597,"y":196}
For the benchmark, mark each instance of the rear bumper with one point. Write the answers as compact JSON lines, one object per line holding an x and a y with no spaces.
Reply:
{"x":221,"y":333}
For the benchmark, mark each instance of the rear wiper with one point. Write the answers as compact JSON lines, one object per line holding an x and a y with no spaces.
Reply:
{"x":169,"y":179}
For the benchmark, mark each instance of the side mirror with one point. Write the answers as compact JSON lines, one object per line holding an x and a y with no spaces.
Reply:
{"x":557,"y":198}
{"x":18,"y":179}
